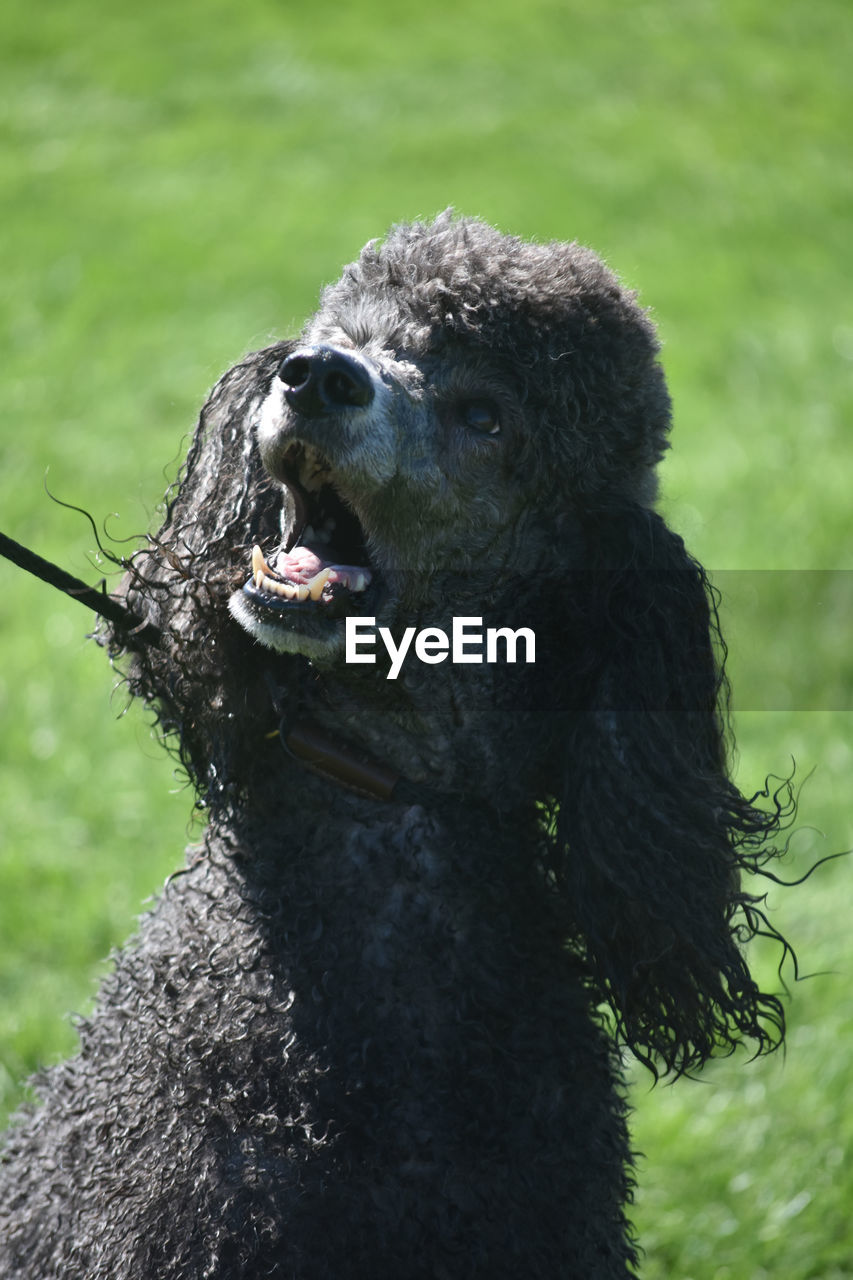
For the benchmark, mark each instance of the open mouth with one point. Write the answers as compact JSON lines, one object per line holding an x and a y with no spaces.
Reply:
{"x":322,"y":568}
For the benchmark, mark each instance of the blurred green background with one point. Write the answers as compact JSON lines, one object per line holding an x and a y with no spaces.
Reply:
{"x":179,"y":178}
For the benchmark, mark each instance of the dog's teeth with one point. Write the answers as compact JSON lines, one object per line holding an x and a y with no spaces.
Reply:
{"x":265,"y":578}
{"x":261,"y":573}
{"x":259,"y":564}
{"x":318,"y":582}
{"x":276,"y":588}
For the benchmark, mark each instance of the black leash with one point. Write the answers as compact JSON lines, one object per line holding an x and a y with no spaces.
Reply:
{"x":98,"y":601}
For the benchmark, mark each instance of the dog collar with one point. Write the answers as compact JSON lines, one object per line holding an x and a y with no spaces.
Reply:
{"x":351,"y":769}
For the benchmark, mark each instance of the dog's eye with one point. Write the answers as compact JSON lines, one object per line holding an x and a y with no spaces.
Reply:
{"x":482,"y":416}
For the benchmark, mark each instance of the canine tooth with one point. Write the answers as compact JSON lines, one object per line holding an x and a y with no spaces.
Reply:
{"x":302,"y":591}
{"x":358,"y":583}
{"x":318,"y":582}
{"x":259,"y":567}
{"x":259,"y":564}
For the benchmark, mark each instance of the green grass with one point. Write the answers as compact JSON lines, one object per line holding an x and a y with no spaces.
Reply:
{"x":178,"y":179}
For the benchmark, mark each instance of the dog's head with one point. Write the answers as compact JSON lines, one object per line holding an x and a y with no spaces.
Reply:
{"x":459,"y":398}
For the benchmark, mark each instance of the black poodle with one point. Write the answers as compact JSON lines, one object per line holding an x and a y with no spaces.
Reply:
{"x":452,"y":695}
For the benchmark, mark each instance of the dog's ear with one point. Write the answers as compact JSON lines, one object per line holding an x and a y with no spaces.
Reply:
{"x":220,"y":502}
{"x":181,"y":578}
{"x":650,"y":835}
{"x":218,"y":506}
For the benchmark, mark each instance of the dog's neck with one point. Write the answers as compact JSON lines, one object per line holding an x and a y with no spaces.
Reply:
{"x":377,"y":736}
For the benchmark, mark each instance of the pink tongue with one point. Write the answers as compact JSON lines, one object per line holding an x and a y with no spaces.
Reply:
{"x":302,"y":564}
{"x":299,"y":565}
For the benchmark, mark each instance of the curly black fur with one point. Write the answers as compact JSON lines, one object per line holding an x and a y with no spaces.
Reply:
{"x":359,"y":1037}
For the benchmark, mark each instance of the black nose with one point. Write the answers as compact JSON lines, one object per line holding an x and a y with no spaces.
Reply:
{"x":322,"y":379}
